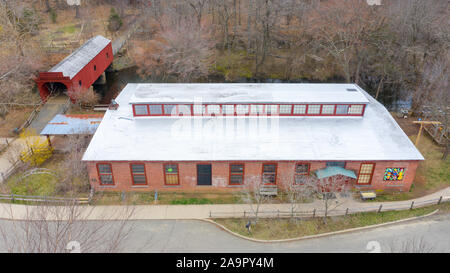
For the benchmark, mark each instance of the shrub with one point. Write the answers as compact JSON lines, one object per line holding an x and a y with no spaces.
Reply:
{"x":37,"y":149}
{"x":53,"y":15}
{"x":114,"y":21}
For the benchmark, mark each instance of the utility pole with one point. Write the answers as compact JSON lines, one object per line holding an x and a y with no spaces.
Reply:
{"x":422,"y":122}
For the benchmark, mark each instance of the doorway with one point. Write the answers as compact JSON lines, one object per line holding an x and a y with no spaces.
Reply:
{"x":204,"y":176}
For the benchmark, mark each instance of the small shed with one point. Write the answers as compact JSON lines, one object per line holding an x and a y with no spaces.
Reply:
{"x":80,"y":125}
{"x":72,"y":125}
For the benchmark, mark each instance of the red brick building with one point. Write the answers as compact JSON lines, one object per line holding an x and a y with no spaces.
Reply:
{"x":79,"y":70}
{"x":196,"y":136}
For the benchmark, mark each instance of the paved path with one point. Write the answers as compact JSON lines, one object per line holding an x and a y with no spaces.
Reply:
{"x":199,"y":236}
{"x":48,"y":111}
{"x":146,"y":212}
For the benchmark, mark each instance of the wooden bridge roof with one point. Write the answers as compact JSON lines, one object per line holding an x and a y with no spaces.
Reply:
{"x":76,"y":61}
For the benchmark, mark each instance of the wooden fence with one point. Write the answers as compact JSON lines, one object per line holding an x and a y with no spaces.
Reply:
{"x":29,"y":119}
{"x":331,"y":212}
{"x":45,"y":199}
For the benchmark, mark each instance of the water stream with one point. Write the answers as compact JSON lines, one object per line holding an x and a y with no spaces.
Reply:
{"x":117,"y":80}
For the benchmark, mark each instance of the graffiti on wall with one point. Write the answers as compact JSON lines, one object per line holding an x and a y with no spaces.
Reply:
{"x":394,"y":174}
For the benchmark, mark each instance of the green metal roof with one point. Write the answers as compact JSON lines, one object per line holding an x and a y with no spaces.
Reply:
{"x":332,"y":171}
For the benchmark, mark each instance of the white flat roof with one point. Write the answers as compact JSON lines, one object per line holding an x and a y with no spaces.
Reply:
{"x":247,"y":93}
{"x":122,"y":137}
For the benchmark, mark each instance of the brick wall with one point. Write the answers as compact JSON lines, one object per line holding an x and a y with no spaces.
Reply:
{"x":220,"y":175}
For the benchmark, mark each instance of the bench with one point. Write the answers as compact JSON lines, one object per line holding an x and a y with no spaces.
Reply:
{"x":368,"y":195}
{"x":268,"y":190}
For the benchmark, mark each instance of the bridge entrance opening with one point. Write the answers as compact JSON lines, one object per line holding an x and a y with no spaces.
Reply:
{"x":55,"y":88}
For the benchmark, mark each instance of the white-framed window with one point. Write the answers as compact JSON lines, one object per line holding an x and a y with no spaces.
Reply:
{"x":184,"y":110}
{"x":199,"y":109}
{"x":228,"y":109}
{"x":365,"y":173}
{"x":299,"y":109}
{"x":341,"y":109}
{"x":272,"y":109}
{"x":242,"y":109}
{"x":355,"y":109}
{"x":170,"y":109}
{"x":285,"y":109}
{"x":155,"y":109}
{"x":257,"y":109}
{"x":213,"y":109}
{"x":141,"y":110}
{"x":327,"y":109}
{"x":313,"y":109}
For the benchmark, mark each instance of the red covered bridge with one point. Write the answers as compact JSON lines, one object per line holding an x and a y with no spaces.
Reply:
{"x":78,"y":71}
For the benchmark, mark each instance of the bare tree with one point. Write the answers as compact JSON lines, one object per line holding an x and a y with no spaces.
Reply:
{"x":58,"y":229}
{"x":251,"y":195}
{"x":21,"y":55}
{"x":329,"y":188}
{"x":344,"y":30}
{"x":181,"y":50}
{"x":411,"y":245}
{"x":84,"y":96}
{"x":433,"y":95}
{"x":298,"y":190}
{"x":73,"y":172}
{"x":198,"y":6}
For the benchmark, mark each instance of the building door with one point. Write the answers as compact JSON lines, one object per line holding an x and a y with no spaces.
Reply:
{"x":204,"y":174}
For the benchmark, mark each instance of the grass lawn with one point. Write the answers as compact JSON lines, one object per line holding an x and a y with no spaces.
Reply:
{"x":273,"y":229}
{"x":166,"y":198}
{"x":40,"y":184}
{"x":34,"y":185}
{"x":178,"y":198}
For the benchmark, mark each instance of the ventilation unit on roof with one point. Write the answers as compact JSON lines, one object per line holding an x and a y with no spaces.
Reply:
{"x":351,"y":90}
{"x":113,"y":105}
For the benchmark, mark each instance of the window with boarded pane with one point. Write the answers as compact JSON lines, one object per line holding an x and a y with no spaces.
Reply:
{"x":285,"y":109}
{"x":299,"y":109}
{"x":313,"y":109}
{"x":138,"y":174}
{"x":236,"y":174}
{"x":155,"y":109}
{"x":269,"y":175}
{"x":228,"y":109}
{"x":365,"y":173}
{"x":341,"y":109}
{"x":327,"y":109}
{"x":242,"y":109}
{"x":171,"y":174}
{"x":355,"y":110}
{"x":170,"y":109}
{"x":105,"y":174}
{"x":141,"y":110}
{"x":301,"y":171}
